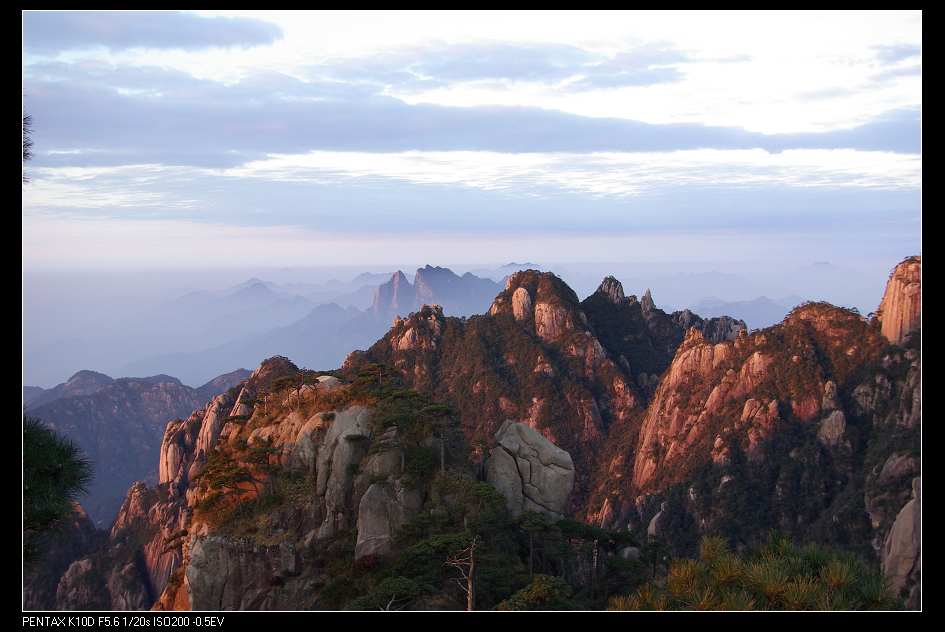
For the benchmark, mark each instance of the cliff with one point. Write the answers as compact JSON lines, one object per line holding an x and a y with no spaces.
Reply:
{"x":117,"y":423}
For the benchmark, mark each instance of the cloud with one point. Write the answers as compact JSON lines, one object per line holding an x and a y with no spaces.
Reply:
{"x":897,"y":52}
{"x":494,"y":193}
{"x":600,"y":174}
{"x":53,"y":31}
{"x":152,"y":115}
{"x":895,"y":73}
{"x":436,"y":65}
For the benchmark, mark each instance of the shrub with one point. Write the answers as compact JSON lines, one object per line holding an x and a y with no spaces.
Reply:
{"x":543,"y":593}
{"x":776,"y":576}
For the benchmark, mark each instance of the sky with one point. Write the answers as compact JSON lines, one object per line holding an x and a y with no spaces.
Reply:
{"x":220,"y":139}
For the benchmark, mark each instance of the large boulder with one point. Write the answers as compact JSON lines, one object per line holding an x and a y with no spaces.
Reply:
{"x":384,"y":508}
{"x":530,"y":471}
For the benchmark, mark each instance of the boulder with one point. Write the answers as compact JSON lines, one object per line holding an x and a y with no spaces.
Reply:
{"x":383,"y":509}
{"x":530,"y":471}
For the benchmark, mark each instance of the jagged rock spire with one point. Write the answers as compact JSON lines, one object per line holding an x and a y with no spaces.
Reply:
{"x":613,"y":289}
{"x":647,"y":301}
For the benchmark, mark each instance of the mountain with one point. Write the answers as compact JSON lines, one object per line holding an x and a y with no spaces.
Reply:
{"x":117,"y":423}
{"x":81,"y":383}
{"x":757,"y":313}
{"x":325,"y":334}
{"x":30,"y":393}
{"x":320,"y":339}
{"x":568,"y":368}
{"x":573,"y":436}
{"x":458,"y":295}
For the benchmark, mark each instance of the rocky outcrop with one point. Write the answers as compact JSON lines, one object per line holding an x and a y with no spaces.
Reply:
{"x":901,"y":554}
{"x":72,"y":539}
{"x":118,"y":425}
{"x":521,"y":304}
{"x":613,"y":290}
{"x":384,"y":508}
{"x":343,"y":448}
{"x":530,"y":471}
{"x":900,"y":311}
{"x":707,"y":385}
{"x":225,"y":574}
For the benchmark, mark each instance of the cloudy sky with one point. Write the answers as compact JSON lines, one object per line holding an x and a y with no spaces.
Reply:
{"x":285,"y":138}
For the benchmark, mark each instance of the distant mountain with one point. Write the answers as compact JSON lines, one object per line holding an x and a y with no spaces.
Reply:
{"x":757,"y":313}
{"x":458,"y":295}
{"x":322,"y":337}
{"x":82,"y":383}
{"x":30,"y":393}
{"x":319,"y":339}
{"x":118,"y":424}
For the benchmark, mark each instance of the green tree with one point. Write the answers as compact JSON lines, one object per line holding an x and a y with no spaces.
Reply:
{"x":54,"y":475}
{"x":545,"y":592}
{"x":776,"y":576}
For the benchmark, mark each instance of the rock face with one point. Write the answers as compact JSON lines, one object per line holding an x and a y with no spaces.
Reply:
{"x":521,"y":304}
{"x":343,"y":447}
{"x":393,"y":297}
{"x":117,"y":424}
{"x":900,"y":310}
{"x":708,"y":385}
{"x":384,"y":508}
{"x":902,"y":555}
{"x":74,"y":538}
{"x":530,"y":471}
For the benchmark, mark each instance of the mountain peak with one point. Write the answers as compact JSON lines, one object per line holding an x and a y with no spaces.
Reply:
{"x":89,"y":377}
{"x":394,"y":296}
{"x":647,"y":301}
{"x":612,"y":289}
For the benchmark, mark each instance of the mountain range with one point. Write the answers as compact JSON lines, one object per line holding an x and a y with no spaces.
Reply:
{"x":605,"y":426}
{"x":322,"y":337}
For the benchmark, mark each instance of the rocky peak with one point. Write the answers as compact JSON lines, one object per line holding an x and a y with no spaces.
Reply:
{"x":647,"y":302}
{"x":421,"y":330}
{"x":271,"y":369}
{"x":428,"y":277}
{"x":900,"y":310}
{"x":395,"y":296}
{"x":612,"y":289}
{"x":541,"y":297}
{"x":88,"y":381}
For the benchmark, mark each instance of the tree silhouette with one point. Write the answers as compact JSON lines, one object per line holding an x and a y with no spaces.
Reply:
{"x":54,"y":475}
